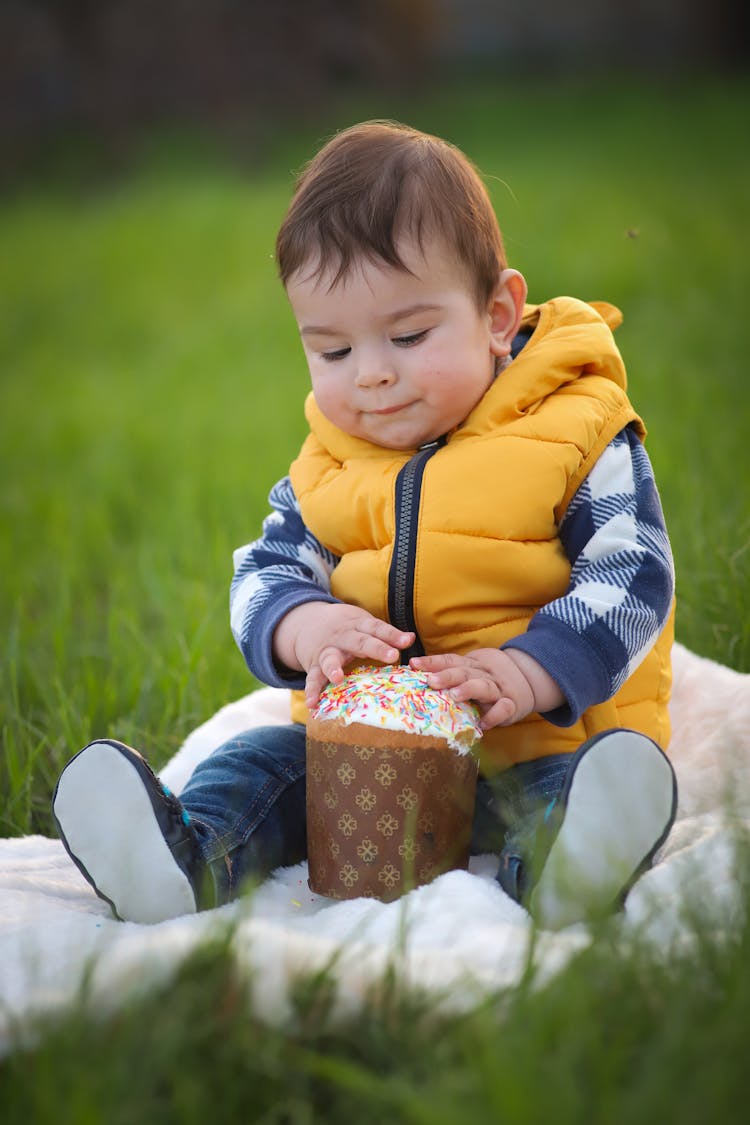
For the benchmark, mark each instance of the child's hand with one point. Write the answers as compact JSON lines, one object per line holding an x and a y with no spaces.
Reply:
{"x":320,"y":638}
{"x":507,"y":685}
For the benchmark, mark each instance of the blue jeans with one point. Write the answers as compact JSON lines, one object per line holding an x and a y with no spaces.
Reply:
{"x":246,"y":803}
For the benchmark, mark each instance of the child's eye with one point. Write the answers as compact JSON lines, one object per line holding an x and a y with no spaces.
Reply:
{"x":410,"y":340}
{"x":339,"y":353}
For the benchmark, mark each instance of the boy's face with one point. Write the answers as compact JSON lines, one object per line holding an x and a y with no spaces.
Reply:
{"x":397,"y":358}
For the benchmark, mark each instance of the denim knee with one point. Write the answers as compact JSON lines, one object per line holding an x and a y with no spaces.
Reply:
{"x":246,"y":802}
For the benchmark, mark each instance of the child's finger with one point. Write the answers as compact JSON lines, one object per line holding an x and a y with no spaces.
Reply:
{"x":498,"y":714}
{"x":327,"y":670}
{"x":331,"y":662}
{"x":388,"y":633}
{"x":477,"y":688}
{"x":366,"y":645}
{"x":451,"y":677}
{"x":438,"y":662}
{"x":314,"y":684}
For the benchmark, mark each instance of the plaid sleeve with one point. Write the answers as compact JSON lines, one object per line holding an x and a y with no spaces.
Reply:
{"x":621,"y":584}
{"x":286,"y":567}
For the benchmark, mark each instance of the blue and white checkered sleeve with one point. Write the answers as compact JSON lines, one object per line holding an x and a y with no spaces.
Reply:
{"x":285,"y":568}
{"x":621,"y":584}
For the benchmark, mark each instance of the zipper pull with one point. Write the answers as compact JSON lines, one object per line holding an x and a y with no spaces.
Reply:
{"x":435,"y":443}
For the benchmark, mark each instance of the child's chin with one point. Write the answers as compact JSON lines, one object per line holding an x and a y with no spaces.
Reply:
{"x":401,"y":438}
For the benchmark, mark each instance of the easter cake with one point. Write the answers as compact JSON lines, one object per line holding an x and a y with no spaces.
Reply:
{"x":391,"y":781}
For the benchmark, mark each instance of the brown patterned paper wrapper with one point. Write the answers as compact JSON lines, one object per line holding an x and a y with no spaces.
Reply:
{"x":386,"y":810}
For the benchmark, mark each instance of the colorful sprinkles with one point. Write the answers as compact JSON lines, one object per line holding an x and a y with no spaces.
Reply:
{"x":398,"y":698}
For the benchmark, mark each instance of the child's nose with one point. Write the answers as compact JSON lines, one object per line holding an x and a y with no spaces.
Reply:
{"x":374,"y":371}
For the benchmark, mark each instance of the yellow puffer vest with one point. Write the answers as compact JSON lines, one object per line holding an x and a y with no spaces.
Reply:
{"x":486,"y":553}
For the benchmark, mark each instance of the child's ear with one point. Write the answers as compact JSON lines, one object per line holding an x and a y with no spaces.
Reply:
{"x":506,"y":311}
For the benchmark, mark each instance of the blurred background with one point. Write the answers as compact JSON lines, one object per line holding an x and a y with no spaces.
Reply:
{"x":151,"y":392}
{"x":103,"y":68}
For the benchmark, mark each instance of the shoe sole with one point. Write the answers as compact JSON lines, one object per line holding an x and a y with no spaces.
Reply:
{"x":109,"y":828}
{"x":619,"y":809}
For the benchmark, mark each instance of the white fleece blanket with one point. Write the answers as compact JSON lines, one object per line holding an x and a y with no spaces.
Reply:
{"x":458,"y":937}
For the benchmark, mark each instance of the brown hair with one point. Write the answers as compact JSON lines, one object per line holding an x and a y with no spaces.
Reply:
{"x":376,"y":181}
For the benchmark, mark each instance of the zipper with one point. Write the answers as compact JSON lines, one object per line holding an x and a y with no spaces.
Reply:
{"x":403,"y":560}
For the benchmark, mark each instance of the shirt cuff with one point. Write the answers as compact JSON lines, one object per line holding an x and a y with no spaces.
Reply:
{"x":258,"y":652}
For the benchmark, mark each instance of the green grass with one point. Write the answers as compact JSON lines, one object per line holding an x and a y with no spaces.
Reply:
{"x":150,"y":393}
{"x":616,"y":1040}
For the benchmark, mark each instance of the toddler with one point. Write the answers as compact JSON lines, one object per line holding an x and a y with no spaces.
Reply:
{"x":473,"y":498}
